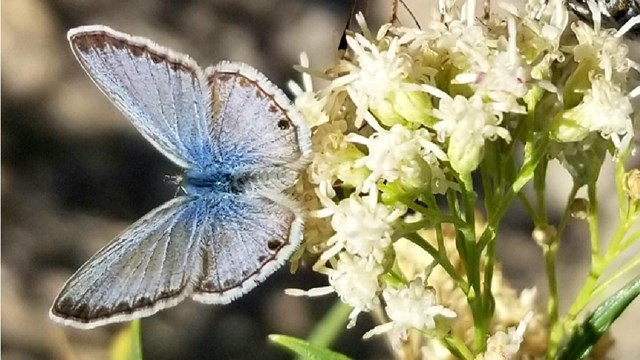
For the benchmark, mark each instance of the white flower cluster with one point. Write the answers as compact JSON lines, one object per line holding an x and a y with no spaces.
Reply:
{"x":409,"y":114}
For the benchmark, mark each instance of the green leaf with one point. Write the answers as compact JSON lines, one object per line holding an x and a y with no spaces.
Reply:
{"x":126,"y":344}
{"x":587,"y":335}
{"x":331,"y":325}
{"x":305,"y":349}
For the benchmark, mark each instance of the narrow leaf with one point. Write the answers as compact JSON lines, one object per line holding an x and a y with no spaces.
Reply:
{"x":126,"y":344}
{"x":331,"y":325}
{"x":587,"y":335}
{"x":305,"y":349}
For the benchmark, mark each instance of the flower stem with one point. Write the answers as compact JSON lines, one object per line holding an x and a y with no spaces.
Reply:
{"x":442,"y":260}
{"x":632,"y":264}
{"x":599,"y":263}
{"x":457,"y":347}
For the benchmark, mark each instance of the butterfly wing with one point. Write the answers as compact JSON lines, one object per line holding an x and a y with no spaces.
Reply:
{"x":251,"y":237}
{"x":215,"y":247}
{"x":149,"y":267}
{"x":254,"y":124}
{"x":164,"y":93}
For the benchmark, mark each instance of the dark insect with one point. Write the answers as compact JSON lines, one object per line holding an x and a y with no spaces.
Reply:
{"x":615,"y":13}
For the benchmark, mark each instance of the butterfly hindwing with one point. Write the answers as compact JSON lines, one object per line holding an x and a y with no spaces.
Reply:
{"x":250,"y":239}
{"x":254,"y":124}
{"x":150,"y":266}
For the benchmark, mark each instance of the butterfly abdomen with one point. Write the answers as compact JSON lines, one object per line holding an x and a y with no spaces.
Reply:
{"x":203,"y":183}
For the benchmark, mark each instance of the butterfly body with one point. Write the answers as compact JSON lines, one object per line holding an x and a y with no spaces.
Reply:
{"x":202,"y":183}
{"x":241,"y":145}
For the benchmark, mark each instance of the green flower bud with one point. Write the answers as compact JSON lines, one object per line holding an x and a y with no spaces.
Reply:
{"x":387,"y":114}
{"x":464,"y":156}
{"x":567,"y":127}
{"x":345,"y":170}
{"x":407,"y":108}
{"x":413,"y":106}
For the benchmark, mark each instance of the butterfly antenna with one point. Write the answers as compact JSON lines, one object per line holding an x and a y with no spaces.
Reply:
{"x":358,"y":5}
{"x":394,"y":13}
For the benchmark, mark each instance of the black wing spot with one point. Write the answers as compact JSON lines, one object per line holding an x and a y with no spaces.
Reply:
{"x":274,"y":244}
{"x":284,"y":124}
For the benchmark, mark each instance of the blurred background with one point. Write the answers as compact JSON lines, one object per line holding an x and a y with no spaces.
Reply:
{"x":75,"y":173}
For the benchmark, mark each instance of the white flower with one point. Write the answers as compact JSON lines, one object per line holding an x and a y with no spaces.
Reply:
{"x":542,"y":24}
{"x":402,"y":155}
{"x":411,"y":307}
{"x":465,"y":43}
{"x":354,"y":279}
{"x":467,"y":123}
{"x":373,"y":74}
{"x":503,"y":346}
{"x":311,"y":107}
{"x":334,"y":158}
{"x":478,"y":120}
{"x":610,"y":111}
{"x":607,"y":110}
{"x":363,"y":226}
{"x":602,"y":46}
{"x":500,"y":75}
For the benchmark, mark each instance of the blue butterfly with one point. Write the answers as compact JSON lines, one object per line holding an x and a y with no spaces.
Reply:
{"x":241,"y":144}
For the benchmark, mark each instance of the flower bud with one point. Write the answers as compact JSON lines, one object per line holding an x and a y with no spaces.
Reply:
{"x":408,"y":108}
{"x":385,"y":113}
{"x":632,"y":184}
{"x":579,"y":208}
{"x":464,"y":156}
{"x":345,"y":168}
{"x":413,"y":106}
{"x":544,"y":235}
{"x":567,"y":127}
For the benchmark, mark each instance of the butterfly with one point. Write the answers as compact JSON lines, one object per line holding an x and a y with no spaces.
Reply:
{"x":241,"y":144}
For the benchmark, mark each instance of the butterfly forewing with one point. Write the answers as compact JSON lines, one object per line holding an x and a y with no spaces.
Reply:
{"x":163,"y":93}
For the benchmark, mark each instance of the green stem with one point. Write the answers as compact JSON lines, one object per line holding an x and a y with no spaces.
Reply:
{"x":494,"y":218}
{"x":488,"y":298}
{"x":442,"y":260}
{"x":632,"y":264}
{"x":584,"y":297}
{"x":457,"y":347}
{"x":622,"y":197}
{"x":631,"y":239}
{"x":550,"y":253}
{"x":592,"y":219}
{"x":528,"y":207}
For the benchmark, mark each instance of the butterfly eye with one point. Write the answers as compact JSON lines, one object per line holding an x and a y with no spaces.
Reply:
{"x":274,"y":244}
{"x":283,"y":124}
